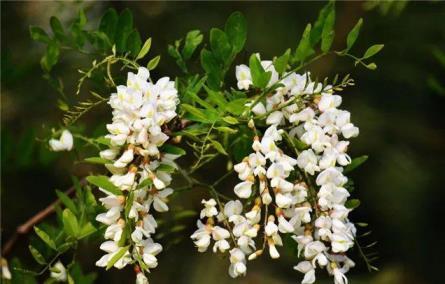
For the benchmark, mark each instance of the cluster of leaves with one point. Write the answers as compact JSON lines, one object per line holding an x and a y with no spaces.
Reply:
{"x":74,"y":222}
{"x":115,"y":40}
{"x":113,"y":30}
{"x":386,"y":7}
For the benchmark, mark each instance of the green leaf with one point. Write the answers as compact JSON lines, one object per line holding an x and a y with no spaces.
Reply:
{"x":51,"y":56}
{"x":123,"y":30}
{"x":166,"y":168}
{"x":45,"y":237}
{"x":352,"y":203}
{"x":168,"y":148}
{"x":353,"y":34}
{"x":373,"y":50}
{"x":104,"y":183}
{"x":226,"y":129}
{"x":371,"y":66}
{"x":67,"y":201}
{"x":185,"y":214}
{"x":327,"y":35}
{"x":134,"y":43}
{"x":145,"y":49}
{"x":81,"y":18}
{"x":216,"y":97}
{"x":304,"y":49}
{"x":260,"y":78}
{"x":192,"y":40}
{"x":129,"y":203}
{"x":38,"y":34}
{"x":90,"y":200}
{"x":199,"y":101}
{"x":103,"y":140}
{"x":37,"y":255}
{"x":97,"y":160}
{"x":236,"y":30}
{"x":70,"y":223}
{"x":153,"y":63}
{"x":356,"y":162}
{"x":230,"y":120}
{"x":87,"y":230}
{"x":220,"y":44}
{"x":194,"y":111}
{"x":236,"y":107}
{"x":280,"y":63}
{"x":118,"y":255}
{"x":108,"y":23}
{"x":317,"y":30}
{"x":218,"y":147}
{"x":212,"y":68}
{"x":146,"y":182}
{"x":57,"y":28}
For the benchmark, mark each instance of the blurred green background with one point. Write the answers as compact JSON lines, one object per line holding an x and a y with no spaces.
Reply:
{"x":398,"y":107}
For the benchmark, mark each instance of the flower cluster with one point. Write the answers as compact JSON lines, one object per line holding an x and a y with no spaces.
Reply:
{"x":304,"y":196}
{"x":139,"y":168}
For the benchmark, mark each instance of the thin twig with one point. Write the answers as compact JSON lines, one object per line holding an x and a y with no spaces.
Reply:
{"x":26,"y":227}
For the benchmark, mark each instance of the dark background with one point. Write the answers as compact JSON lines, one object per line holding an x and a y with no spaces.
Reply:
{"x":399,"y":114}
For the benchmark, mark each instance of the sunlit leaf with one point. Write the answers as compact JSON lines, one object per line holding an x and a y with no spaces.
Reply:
{"x":373,"y":50}
{"x":70,"y":223}
{"x":118,"y":255}
{"x":104,"y":183}
{"x":353,"y":35}
{"x":45,"y":237}
{"x":145,"y":49}
{"x":236,"y":30}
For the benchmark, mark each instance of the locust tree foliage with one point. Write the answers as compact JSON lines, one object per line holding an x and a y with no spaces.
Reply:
{"x":278,"y":132}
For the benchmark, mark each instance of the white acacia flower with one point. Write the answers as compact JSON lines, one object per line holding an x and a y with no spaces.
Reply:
{"x":233,"y":207}
{"x":111,"y":216}
{"x":149,"y":252}
{"x":306,"y":114}
{"x":114,"y":231}
{"x":308,"y":270}
{"x":329,"y":101}
{"x":126,"y":158}
{"x":58,"y":272}
{"x":243,"y":189}
{"x":243,"y":76}
{"x":284,"y":226}
{"x":141,"y":278}
{"x":124,"y":182}
{"x":109,"y":154}
{"x":274,"y":118}
{"x":6,"y":274}
{"x":159,"y":199}
{"x":209,"y":208}
{"x":112,"y":249}
{"x":331,"y":175}
{"x":220,"y":235}
{"x":259,"y":109}
{"x":237,"y":263}
{"x":312,"y":249}
{"x":64,"y":143}
{"x":202,"y":236}
{"x":307,"y":160}
{"x":243,"y":169}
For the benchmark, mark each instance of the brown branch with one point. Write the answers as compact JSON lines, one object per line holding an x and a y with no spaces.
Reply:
{"x":26,"y":227}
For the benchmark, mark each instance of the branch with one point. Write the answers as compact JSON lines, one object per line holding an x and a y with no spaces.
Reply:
{"x":26,"y":227}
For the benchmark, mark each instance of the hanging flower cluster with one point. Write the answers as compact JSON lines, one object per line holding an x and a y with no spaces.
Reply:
{"x":140,"y":170}
{"x":302,"y":196}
